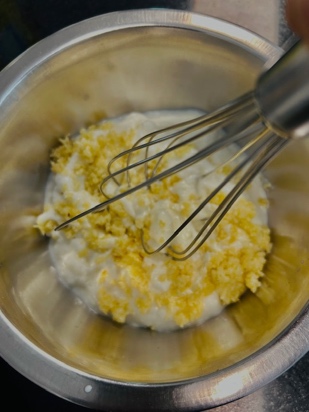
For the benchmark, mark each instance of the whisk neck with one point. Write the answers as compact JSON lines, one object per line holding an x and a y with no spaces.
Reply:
{"x":282,"y":93}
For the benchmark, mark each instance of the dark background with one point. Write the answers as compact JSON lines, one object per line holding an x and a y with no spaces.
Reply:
{"x":23,"y":23}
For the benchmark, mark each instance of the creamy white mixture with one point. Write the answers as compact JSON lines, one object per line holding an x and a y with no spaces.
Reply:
{"x":100,"y":257}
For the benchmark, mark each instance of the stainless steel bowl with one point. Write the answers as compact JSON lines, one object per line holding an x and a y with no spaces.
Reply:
{"x":107,"y":66}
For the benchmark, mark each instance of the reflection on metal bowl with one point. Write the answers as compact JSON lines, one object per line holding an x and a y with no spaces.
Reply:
{"x":103,"y":67}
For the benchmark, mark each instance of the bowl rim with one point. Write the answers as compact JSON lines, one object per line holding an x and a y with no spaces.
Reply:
{"x":83,"y":388}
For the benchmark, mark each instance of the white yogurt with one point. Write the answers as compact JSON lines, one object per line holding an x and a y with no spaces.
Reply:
{"x":100,"y":257}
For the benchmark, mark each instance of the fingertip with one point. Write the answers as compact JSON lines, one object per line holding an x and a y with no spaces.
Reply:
{"x":297,"y":16}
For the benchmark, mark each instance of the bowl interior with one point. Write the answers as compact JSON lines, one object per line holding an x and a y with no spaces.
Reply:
{"x":105,"y":75}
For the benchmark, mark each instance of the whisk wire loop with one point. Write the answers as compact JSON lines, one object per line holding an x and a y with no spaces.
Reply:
{"x":208,"y":123}
{"x":216,"y":145}
{"x":261,"y":156}
{"x":208,"y":199}
{"x":248,"y":132}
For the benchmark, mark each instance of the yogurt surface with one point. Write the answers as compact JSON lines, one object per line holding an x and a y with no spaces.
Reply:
{"x":101,"y":257}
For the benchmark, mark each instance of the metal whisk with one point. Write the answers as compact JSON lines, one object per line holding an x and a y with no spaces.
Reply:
{"x":261,"y":123}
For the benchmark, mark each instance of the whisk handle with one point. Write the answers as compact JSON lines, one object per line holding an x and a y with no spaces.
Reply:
{"x":282,"y":93}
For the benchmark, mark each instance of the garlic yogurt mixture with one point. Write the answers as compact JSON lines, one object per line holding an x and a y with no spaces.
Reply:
{"x":100,"y":256}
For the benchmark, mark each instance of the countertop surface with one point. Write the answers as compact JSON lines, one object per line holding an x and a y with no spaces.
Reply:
{"x":23,"y":23}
